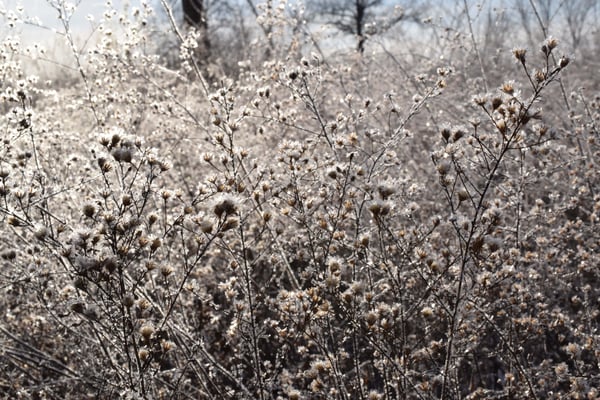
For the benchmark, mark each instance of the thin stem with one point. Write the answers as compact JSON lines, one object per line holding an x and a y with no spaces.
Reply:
{"x":477,"y":52}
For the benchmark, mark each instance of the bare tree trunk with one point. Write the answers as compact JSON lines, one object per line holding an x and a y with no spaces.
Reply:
{"x":360,"y":26}
{"x":194,"y":15}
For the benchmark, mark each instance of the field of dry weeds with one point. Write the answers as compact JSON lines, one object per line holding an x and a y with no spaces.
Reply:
{"x":295,"y":221}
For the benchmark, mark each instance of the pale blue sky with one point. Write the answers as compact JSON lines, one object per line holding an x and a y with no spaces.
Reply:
{"x":48,"y":16}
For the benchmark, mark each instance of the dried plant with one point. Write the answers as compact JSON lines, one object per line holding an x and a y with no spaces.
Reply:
{"x":321,"y":226}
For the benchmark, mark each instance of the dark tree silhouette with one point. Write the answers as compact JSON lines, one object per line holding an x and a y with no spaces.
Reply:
{"x":361,"y":18}
{"x":194,"y":15}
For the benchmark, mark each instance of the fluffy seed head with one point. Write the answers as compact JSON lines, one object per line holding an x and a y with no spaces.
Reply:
{"x":166,"y":270}
{"x":225,"y":205}
{"x":519,"y":54}
{"x":143,"y":354}
{"x":40,"y":233}
{"x":89,"y":210}
{"x":146,"y":331}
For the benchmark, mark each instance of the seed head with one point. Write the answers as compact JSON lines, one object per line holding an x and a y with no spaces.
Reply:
{"x":146,"y":331}
{"x":77,"y":306}
{"x":519,"y":54}
{"x":40,"y":233}
{"x":150,"y":265}
{"x":89,"y":210}
{"x":508,"y":87}
{"x":231,"y":223}
{"x":104,"y":164}
{"x":294,"y":395}
{"x":332,"y":173}
{"x":463,"y":195}
{"x":443,"y":167}
{"x":152,"y":218}
{"x":374,"y":395}
{"x":126,"y":199}
{"x":458,"y":133}
{"x":385,"y":191}
{"x":206,"y":226}
{"x":156,"y":243}
{"x":549,"y":45}
{"x":501,"y":125}
{"x":122,"y":154}
{"x":166,"y":270}
{"x":225,"y":205}
{"x":104,"y":141}
{"x":427,"y":312}
{"x":573,"y":350}
{"x":334,"y":264}
{"x":128,"y":300}
{"x":380,"y":208}
{"x":496,"y":102}
{"x":480,"y":100}
{"x":8,"y":255}
{"x":166,"y":194}
{"x":539,"y":76}
{"x":167,"y":346}
{"x":143,"y":354}
{"x":561,"y":369}
{"x":445,"y":133}
{"x":116,"y":138}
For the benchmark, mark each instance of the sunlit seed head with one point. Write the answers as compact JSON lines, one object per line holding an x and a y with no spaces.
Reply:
{"x":225,"y":205}
{"x":144,"y":354}
{"x":519,"y":54}
{"x":371,"y":318}
{"x":549,"y":45}
{"x":501,"y":125}
{"x":463,"y":195}
{"x":146,"y":331}
{"x":294,"y":395}
{"x":155,"y":244}
{"x":443,"y":167}
{"x":166,"y":270}
{"x":334,"y":264}
{"x":508,"y":87}
{"x":374,"y":395}
{"x":167,"y":346}
{"x":480,"y":100}
{"x":150,"y":265}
